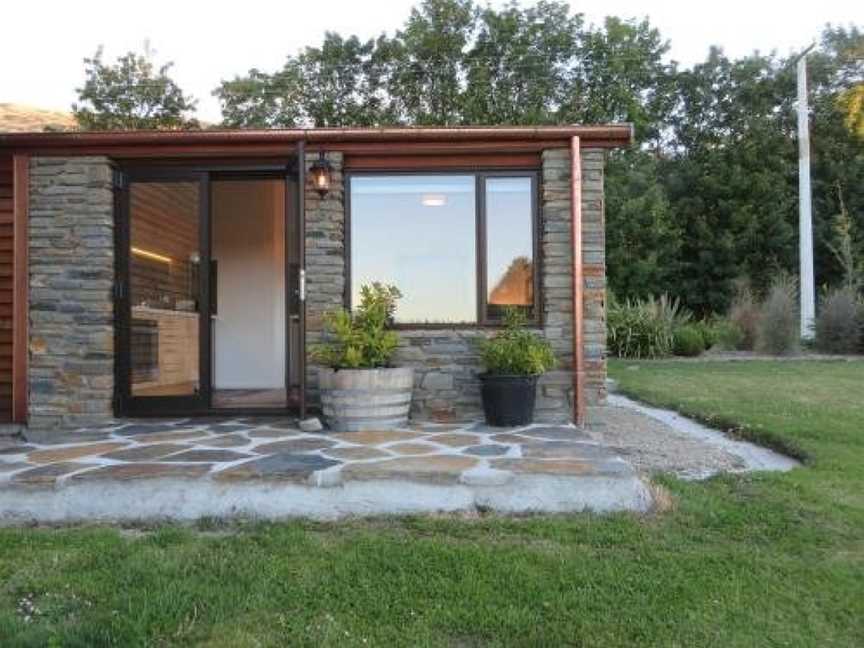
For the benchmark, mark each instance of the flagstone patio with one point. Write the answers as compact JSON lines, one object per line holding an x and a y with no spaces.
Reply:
{"x":186,"y":469}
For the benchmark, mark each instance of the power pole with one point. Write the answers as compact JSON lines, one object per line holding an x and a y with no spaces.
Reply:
{"x":805,"y":209}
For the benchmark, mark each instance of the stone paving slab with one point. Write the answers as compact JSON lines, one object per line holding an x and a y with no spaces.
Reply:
{"x":569,"y":467}
{"x":47,"y":474}
{"x":490,"y":450}
{"x":357,"y":452}
{"x":436,"y":468}
{"x":124,"y":472}
{"x":146,"y":452}
{"x":16,"y":449}
{"x":272,"y":433}
{"x":283,"y":466}
{"x":13,"y":466}
{"x":375,"y":437}
{"x":413,"y":448}
{"x":269,"y":467}
{"x":455,"y":440}
{"x":207,"y":455}
{"x":300,"y":444}
{"x":226,"y":441}
{"x":71,"y":452}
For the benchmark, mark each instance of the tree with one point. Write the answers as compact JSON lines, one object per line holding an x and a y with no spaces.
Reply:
{"x":710,"y":193}
{"x":517,"y":70}
{"x":343,"y":82}
{"x":620,"y":76}
{"x":643,"y":241}
{"x":429,"y":62}
{"x":131,"y":94}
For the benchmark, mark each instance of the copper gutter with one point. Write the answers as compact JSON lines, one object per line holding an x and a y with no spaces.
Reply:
{"x":609,"y":135}
{"x":578,"y":282}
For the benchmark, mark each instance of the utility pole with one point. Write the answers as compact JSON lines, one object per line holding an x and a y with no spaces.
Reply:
{"x":805,"y":209}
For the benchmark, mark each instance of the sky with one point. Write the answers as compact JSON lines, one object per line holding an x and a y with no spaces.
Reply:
{"x":44,"y":43}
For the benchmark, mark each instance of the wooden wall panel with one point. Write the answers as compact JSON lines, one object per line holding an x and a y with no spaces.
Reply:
{"x":7,"y":244}
{"x":21,"y":288}
{"x":392,"y":161}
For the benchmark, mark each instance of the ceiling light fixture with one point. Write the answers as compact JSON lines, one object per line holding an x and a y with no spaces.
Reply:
{"x":147,"y":254}
{"x":434,"y":200}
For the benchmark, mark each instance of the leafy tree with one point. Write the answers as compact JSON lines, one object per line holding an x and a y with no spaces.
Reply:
{"x":429,"y":62}
{"x":131,"y":94}
{"x":709,"y":196}
{"x":642,"y":240}
{"x":517,"y":70}
{"x":619,"y":75}
{"x":261,"y":100}
{"x":851,"y":102}
{"x":837,"y":153}
{"x":340,"y":83}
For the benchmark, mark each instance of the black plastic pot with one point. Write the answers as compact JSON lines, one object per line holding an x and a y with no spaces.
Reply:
{"x":508,"y":400}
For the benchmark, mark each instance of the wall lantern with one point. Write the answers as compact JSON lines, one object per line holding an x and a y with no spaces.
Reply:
{"x":320,"y":172}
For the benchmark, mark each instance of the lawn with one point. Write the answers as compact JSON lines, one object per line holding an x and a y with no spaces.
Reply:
{"x":759,"y":560}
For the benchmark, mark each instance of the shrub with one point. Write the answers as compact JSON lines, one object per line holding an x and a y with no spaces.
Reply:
{"x":729,"y":335}
{"x":744,"y":314}
{"x":516,"y":351}
{"x":708,"y":330}
{"x":360,"y":340}
{"x":689,"y":341}
{"x":778,"y":332}
{"x":840,"y":322}
{"x":642,"y":329}
{"x":668,"y":311}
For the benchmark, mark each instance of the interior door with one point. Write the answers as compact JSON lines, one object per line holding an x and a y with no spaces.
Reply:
{"x":163,"y":293}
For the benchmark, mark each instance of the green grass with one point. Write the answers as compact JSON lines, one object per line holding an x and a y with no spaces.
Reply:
{"x":759,"y":560}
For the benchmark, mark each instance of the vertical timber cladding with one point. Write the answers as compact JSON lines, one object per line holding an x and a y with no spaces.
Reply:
{"x":7,"y":247}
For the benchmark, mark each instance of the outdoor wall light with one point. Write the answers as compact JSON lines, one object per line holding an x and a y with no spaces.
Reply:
{"x":320,"y":172}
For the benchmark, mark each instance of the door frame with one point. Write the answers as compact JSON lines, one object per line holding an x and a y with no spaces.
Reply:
{"x":201,"y":404}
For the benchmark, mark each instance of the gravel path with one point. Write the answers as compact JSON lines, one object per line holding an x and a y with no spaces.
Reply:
{"x":656,"y":440}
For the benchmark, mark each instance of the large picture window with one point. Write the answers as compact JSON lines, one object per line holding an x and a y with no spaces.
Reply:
{"x":461,"y":247}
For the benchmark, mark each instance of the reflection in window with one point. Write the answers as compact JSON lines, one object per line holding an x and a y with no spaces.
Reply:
{"x":509,"y":246}
{"x":164,"y":275}
{"x":419,"y":233}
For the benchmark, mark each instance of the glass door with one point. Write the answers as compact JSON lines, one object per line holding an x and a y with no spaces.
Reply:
{"x":163,"y":293}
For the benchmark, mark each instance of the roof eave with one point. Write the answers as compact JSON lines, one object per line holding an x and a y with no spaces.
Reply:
{"x":608,"y":135}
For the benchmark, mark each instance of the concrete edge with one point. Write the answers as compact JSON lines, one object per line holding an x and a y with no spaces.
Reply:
{"x":189,"y":500}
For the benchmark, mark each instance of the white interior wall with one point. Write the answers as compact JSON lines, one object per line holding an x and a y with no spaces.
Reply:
{"x":249,"y":245}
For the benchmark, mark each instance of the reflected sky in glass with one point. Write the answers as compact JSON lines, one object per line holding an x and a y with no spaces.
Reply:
{"x":508,"y":229}
{"x":419,"y":233}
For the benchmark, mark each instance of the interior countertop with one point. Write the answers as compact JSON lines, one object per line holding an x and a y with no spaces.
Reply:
{"x":155,"y":313}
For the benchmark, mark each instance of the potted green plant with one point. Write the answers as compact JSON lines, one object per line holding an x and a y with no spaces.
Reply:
{"x":359,"y":388}
{"x":514,"y":358}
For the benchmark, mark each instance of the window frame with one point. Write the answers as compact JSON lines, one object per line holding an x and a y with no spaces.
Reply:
{"x":480,"y":223}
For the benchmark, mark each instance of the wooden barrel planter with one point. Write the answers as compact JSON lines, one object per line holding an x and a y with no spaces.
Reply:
{"x":365,"y":399}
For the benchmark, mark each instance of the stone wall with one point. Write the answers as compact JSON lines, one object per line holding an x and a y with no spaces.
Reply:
{"x":446,"y":361}
{"x":71,"y":277}
{"x":72,"y":320}
{"x":594,"y":276}
{"x":325,"y":261}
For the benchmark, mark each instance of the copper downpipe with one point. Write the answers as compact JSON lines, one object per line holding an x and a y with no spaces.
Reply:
{"x":578,"y":282}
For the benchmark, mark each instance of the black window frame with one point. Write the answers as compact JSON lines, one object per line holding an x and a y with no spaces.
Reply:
{"x":481,"y":258}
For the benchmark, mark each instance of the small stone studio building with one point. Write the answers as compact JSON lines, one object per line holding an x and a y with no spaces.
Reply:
{"x":187,"y":273}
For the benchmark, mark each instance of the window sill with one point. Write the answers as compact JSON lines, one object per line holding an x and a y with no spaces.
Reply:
{"x":456,"y":326}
